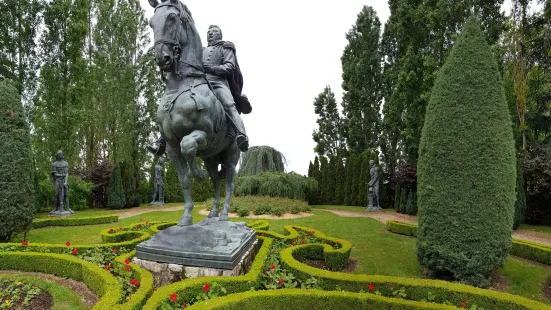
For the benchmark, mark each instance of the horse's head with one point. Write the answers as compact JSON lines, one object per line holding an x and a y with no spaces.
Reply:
{"x":169,"y":31}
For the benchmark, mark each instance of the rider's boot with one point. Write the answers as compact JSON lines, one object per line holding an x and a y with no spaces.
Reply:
{"x":159,"y":150}
{"x":241,"y":139}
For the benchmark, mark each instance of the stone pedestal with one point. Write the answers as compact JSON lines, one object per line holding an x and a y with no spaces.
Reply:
{"x":165,"y":273}
{"x":61,"y":213}
{"x":373,"y":209}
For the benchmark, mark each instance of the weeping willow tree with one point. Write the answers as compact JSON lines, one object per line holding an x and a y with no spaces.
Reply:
{"x":276,"y":184}
{"x":259,"y":159}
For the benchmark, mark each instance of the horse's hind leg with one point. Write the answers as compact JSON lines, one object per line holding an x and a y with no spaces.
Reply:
{"x":231,"y":157}
{"x":183,"y":175}
{"x":212,"y":168}
{"x":195,"y":141}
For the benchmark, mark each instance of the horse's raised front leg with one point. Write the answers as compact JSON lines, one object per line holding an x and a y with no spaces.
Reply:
{"x":212,"y":168}
{"x":195,"y":141}
{"x":231,"y":157}
{"x":183,"y":175}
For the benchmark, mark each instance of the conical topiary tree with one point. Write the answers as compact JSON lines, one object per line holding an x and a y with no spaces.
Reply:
{"x":466,"y":169}
{"x":16,"y":166}
{"x":116,"y":198}
{"x":520,"y":202}
{"x":260,"y":159}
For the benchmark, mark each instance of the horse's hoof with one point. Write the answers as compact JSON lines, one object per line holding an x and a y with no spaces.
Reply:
{"x":223,"y":217}
{"x":242,"y":143}
{"x":213,"y":214}
{"x":186,"y":221}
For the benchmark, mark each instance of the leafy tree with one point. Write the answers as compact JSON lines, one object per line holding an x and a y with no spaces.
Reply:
{"x":173,"y":189}
{"x":362,"y":82}
{"x":467,"y":139}
{"x":329,"y":135}
{"x":16,"y":167}
{"x":260,"y":159}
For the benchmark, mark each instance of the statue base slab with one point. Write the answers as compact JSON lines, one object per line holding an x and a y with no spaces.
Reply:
{"x":157,"y":203}
{"x":165,"y":273}
{"x":210,"y":243}
{"x":61,"y":213}
{"x":373,"y":209}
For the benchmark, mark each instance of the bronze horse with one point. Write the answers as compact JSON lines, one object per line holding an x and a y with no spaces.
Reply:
{"x":191,"y":119}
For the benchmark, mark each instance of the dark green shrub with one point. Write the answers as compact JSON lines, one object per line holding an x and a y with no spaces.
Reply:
{"x":243,"y":212}
{"x":466,"y":168}
{"x":411,"y":208}
{"x":17,"y":205}
{"x":264,"y":205}
{"x":403,"y":200}
{"x":520,"y":202}
{"x":79,"y":191}
{"x":397,"y":194}
{"x":115,"y":190}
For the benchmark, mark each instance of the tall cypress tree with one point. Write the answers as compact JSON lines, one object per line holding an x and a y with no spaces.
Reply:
{"x":349,"y":175}
{"x":324,"y":175}
{"x":339,"y":182}
{"x":329,"y":135}
{"x":116,"y":198}
{"x":17,"y":193}
{"x":465,"y":231}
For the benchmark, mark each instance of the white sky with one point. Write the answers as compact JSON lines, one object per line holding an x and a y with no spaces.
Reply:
{"x":288,"y":51}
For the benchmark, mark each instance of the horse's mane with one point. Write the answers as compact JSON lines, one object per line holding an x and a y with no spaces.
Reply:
{"x":186,"y":10}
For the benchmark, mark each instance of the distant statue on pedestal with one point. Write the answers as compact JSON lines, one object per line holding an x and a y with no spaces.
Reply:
{"x":60,"y":176}
{"x":159,"y":193}
{"x":373,"y":188}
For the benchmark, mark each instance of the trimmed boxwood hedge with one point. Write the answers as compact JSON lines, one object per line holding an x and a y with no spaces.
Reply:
{"x":100,"y":281}
{"x":311,"y":299}
{"x":138,"y":299}
{"x":190,"y":288}
{"x":74,"y":221}
{"x":416,"y":289}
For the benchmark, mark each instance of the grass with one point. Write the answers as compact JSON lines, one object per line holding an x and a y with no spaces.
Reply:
{"x":543,"y":229}
{"x":63,"y":296}
{"x":376,"y":251}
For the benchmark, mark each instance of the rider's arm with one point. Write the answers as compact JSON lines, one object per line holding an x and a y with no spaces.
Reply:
{"x":228,"y":65}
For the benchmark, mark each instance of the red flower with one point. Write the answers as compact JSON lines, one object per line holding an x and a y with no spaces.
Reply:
{"x":139,"y":237}
{"x":127,"y":261}
{"x":120,"y":228}
{"x":134,"y":282}
{"x":11,"y":114}
{"x":463,"y":304}
{"x":111,"y":230}
{"x":51,"y":217}
{"x":272,"y":267}
{"x":294,"y":243}
{"x":137,"y":226}
{"x":75,"y":251}
{"x":184,"y":304}
{"x":371,"y":287}
{"x":127,"y":268}
{"x":265,"y":271}
{"x":173,"y":297}
{"x":281,"y":281}
{"x":107,"y":266}
{"x":67,"y":243}
{"x":262,"y":234}
{"x":25,"y":243}
{"x":336,"y":242}
{"x":303,"y":237}
{"x":206,"y":287}
{"x":302,"y":242}
{"x":296,"y":229}
{"x":97,"y":250}
{"x":114,"y":250}
{"x":323,"y":241}
{"x":140,"y":220}
{"x":390,"y":288}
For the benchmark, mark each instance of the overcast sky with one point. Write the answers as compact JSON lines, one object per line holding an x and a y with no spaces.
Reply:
{"x":288,"y":51}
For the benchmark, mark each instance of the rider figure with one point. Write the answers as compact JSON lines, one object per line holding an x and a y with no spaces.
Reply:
{"x":223,"y":74}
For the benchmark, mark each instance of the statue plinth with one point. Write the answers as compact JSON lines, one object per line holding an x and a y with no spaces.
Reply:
{"x":210,"y":243}
{"x":61,"y":213}
{"x":156,"y":203}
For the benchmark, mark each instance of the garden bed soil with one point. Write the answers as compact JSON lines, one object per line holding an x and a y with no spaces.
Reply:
{"x":320,"y":264}
{"x":78,"y":288}
{"x":499,"y":282}
{"x":546,"y":288}
{"x":41,"y":301}
{"x":286,"y":216}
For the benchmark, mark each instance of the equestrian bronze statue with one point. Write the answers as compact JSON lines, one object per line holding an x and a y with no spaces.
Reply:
{"x":192,"y":120}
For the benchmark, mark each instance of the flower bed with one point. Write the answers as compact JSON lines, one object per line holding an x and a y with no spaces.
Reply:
{"x":74,"y":221}
{"x":529,"y":250}
{"x":312,"y":299}
{"x":97,"y":279}
{"x":17,"y":294}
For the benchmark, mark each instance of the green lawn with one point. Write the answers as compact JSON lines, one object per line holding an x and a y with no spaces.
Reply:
{"x":376,"y":251}
{"x":63,"y":296}
{"x":543,"y":229}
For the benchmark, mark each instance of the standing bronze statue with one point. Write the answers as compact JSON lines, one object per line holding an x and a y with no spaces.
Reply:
{"x":193,"y":120}
{"x":373,"y":188}
{"x":159,"y":185}
{"x":60,"y":176}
